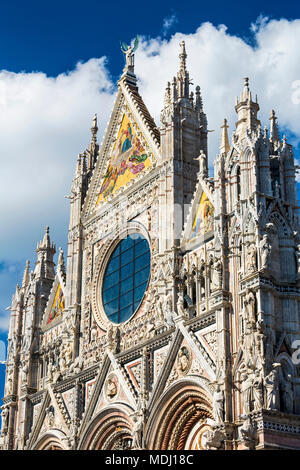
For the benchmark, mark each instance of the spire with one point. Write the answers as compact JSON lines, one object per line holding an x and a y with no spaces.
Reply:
{"x":25,"y":281}
{"x":44,"y":266}
{"x":183,"y":81}
{"x":182,"y":57}
{"x":46,"y":239}
{"x":274,"y":133}
{"x":247,"y":110}
{"x":224,"y":144}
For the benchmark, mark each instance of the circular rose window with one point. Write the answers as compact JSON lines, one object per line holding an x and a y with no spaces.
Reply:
{"x":126,"y":278}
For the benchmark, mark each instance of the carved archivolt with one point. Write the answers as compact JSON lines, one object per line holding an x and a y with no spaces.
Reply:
{"x":108,"y":431}
{"x":183,"y":405}
{"x":53,"y":440}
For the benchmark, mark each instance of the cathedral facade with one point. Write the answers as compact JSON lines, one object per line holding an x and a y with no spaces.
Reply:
{"x":173,"y":322}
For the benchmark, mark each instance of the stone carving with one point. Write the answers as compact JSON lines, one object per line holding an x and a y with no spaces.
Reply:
{"x":111,"y":388}
{"x":184,"y":360}
{"x":271,"y":383}
{"x":247,"y":432}
{"x":251,"y":264}
{"x":218,"y":404}
{"x":257,"y":388}
{"x":265,"y":252}
{"x":249,"y":304}
{"x":246,"y":391}
{"x":287,"y":394}
{"x":137,"y":431}
{"x":216,"y":275}
{"x":168,"y":309}
{"x":179,"y":305}
{"x":50,"y":416}
{"x":213,"y":439}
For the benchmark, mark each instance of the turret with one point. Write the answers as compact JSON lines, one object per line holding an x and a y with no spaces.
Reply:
{"x":247,"y":110}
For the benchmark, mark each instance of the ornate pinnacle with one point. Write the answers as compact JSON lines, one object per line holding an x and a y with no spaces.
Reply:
{"x":182,"y":56}
{"x":224,"y":145}
{"x":26,"y":274}
{"x":274,"y":133}
{"x":94,"y":128}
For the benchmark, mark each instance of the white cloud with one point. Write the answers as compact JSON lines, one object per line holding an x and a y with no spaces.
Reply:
{"x":218,"y":62}
{"x":45,"y":121}
{"x":168,"y":22}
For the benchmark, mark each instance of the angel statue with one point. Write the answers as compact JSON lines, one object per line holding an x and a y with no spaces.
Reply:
{"x":129,"y":52}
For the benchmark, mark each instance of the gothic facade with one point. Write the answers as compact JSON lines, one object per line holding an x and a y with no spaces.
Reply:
{"x":173,"y":323}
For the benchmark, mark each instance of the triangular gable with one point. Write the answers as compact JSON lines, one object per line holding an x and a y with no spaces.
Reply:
{"x":56,"y":303}
{"x":127,"y":160}
{"x":199,"y":223}
{"x":129,"y":150}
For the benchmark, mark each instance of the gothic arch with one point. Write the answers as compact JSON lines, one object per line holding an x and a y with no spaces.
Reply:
{"x":184,"y":406}
{"x":51,"y":440}
{"x":109,"y":430}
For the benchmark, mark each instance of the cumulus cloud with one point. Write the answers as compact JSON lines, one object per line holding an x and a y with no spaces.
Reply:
{"x":168,"y":22}
{"x":45,"y":121}
{"x":218,"y":62}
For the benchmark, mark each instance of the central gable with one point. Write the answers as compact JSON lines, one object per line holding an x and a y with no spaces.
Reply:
{"x":129,"y":150}
{"x":127,"y":159}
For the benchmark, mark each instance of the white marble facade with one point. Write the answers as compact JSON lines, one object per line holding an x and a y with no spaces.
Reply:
{"x":209,"y":358}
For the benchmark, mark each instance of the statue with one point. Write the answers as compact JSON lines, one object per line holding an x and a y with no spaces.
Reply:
{"x":257,"y":390}
{"x":272,"y":388}
{"x":251,"y":259}
{"x":183,"y":360}
{"x":246,"y":389}
{"x":218,"y":404}
{"x":265,"y":251}
{"x":202,"y":163}
{"x":4,"y":417}
{"x":137,"y":430}
{"x":249,"y":303}
{"x":246,"y":432}
{"x":129,"y":52}
{"x":168,"y":309}
{"x":288,"y":395}
{"x":217,"y":273}
{"x":179,"y":305}
{"x":93,"y":333}
{"x":111,"y":388}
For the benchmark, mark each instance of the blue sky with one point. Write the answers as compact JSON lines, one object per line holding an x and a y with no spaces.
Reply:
{"x":60,"y":61}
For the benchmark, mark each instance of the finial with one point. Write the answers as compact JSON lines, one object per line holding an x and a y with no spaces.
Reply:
{"x":224,"y":144}
{"x":25,"y":281}
{"x":94,"y":127}
{"x":61,"y":262}
{"x":46,"y":239}
{"x":199,"y":102}
{"x":274,"y":133}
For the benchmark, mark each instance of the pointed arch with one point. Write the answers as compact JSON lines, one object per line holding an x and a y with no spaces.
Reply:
{"x":51,"y":440}
{"x":183,"y":406}
{"x":110,"y":429}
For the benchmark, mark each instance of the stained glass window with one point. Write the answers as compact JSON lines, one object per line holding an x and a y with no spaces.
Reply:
{"x":126,"y":278}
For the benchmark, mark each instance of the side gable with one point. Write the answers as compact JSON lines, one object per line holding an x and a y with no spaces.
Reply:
{"x":199,"y":223}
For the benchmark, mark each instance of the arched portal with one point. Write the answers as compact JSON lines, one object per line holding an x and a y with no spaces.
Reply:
{"x":180,"y":418}
{"x":52,"y":440}
{"x":110,"y":430}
